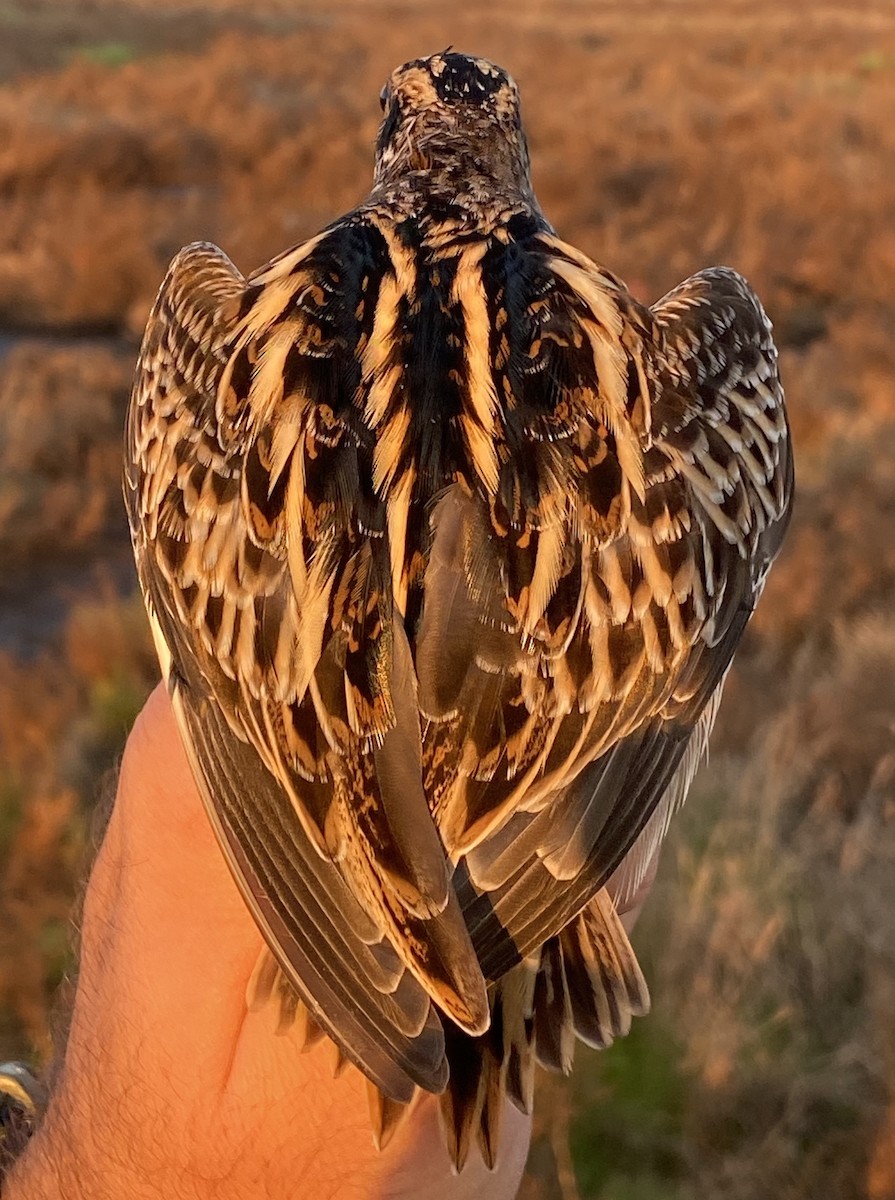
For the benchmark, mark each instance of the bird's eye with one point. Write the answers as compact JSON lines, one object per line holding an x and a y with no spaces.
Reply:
{"x":383,"y":98}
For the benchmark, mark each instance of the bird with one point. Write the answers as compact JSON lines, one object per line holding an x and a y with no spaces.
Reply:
{"x":447,"y":543}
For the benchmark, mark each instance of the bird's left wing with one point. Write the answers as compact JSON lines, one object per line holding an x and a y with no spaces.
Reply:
{"x":579,"y":623}
{"x":262,"y":557}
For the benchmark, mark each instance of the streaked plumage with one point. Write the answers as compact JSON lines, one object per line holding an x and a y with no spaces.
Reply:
{"x":447,"y":543}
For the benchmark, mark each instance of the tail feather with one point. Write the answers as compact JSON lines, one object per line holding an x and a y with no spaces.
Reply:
{"x":493,"y":1091}
{"x":606,"y":984}
{"x":386,"y":1116}
{"x":516,"y":992}
{"x":554,"y":1032}
{"x":585,"y":983}
{"x":462,"y":1100}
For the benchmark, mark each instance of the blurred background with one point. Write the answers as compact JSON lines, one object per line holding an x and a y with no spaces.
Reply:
{"x":665,"y":137}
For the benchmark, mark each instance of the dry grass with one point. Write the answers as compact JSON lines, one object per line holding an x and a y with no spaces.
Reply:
{"x":664,"y":137}
{"x":778,"y":952}
{"x":767,"y":1067}
{"x":60,"y":456}
{"x":63,"y":721}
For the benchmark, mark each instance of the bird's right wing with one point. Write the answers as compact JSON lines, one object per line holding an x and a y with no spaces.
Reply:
{"x":262,"y":557}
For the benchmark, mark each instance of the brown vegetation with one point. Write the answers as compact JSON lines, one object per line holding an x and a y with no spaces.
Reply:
{"x":60,"y":458}
{"x":664,"y":137}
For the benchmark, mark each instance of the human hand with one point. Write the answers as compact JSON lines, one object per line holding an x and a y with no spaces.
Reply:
{"x":170,"y":1086}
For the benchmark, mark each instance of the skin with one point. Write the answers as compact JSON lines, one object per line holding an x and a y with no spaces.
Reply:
{"x":169,"y":1086}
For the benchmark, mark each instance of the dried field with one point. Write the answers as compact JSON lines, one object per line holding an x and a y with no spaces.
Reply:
{"x":665,"y":137}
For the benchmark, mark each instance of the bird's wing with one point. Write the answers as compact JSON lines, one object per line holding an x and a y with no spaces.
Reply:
{"x":262,"y":555}
{"x":578,"y":623}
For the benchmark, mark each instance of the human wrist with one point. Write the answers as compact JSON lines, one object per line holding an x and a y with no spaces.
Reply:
{"x":99,"y":1156}
{"x":51,"y":1165}
{"x":39,"y":1172}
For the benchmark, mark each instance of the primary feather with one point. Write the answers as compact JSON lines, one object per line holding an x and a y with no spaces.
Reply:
{"x":447,"y":543}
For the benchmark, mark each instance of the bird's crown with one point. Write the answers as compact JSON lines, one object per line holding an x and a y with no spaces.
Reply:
{"x":449,"y":78}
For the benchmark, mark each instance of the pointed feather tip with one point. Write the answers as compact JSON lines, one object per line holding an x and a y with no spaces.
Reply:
{"x":455,"y":1133}
{"x":478,"y":1125}
{"x":386,"y":1116}
{"x":292,"y":1014}
{"x":488,"y":1149}
{"x":450,"y":974}
{"x":268,"y":985}
{"x":262,"y":981}
{"x":297,"y":1019}
{"x":520,"y":1082}
{"x":494,"y":1096}
{"x":338,"y":1062}
{"x":470,"y":1110}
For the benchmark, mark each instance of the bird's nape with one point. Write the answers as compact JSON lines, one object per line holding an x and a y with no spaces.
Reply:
{"x":452,"y":116}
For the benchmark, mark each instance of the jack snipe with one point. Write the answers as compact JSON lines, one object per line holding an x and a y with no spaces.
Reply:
{"x":447,"y":543}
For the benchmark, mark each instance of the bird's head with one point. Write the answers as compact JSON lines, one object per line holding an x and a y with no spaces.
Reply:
{"x":452,"y":117}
